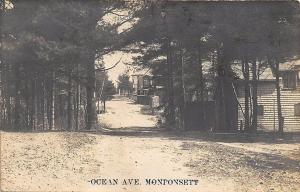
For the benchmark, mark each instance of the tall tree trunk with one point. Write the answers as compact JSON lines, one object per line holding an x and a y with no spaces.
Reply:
{"x":52,"y":127}
{"x":104,"y":106}
{"x":69,"y":104}
{"x":171,"y":107}
{"x":36,"y":119}
{"x":27,"y":103}
{"x":201,"y":79}
{"x":43,"y":104}
{"x":170,"y":118}
{"x":220,"y":94}
{"x":247,"y":93}
{"x":8,"y":113}
{"x":182,"y":90}
{"x":77,"y":108}
{"x":3,"y":94}
{"x":6,"y":99}
{"x":2,"y":68}
{"x":201,"y":87}
{"x":17,"y":98}
{"x":278,"y":95}
{"x":90,"y":94}
{"x":254,"y":96}
{"x":33,"y":111}
{"x":52,"y":108}
{"x":2,"y":106}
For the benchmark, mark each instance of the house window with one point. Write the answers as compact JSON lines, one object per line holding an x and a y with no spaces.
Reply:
{"x":297,"y":109}
{"x":260,"y":110}
{"x":146,"y":82}
{"x":289,"y":80}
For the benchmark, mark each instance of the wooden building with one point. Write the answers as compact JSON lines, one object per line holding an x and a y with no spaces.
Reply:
{"x":147,"y":89}
{"x":267,"y":98}
{"x":142,"y":88}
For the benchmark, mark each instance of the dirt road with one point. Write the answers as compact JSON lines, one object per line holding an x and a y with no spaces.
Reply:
{"x":62,"y":161}
{"x":124,"y":113}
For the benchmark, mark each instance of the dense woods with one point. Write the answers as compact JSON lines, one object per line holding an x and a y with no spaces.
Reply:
{"x":51,"y":63}
{"x":52,"y":73}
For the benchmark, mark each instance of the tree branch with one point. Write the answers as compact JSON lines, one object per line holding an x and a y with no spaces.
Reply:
{"x":106,"y":69}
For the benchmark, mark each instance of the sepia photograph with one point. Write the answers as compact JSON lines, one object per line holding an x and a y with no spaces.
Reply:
{"x":149,"y":96}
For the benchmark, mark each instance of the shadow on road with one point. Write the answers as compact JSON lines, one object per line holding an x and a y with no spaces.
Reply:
{"x":151,"y":132}
{"x":262,"y":137}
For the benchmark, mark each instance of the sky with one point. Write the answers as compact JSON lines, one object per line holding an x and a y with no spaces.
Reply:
{"x":112,"y":58}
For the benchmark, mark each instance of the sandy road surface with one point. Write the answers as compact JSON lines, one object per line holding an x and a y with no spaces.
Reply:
{"x":124,"y":113}
{"x":61,"y":161}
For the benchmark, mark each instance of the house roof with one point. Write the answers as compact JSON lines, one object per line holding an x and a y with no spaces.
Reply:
{"x":293,"y":65}
{"x":142,"y":72}
{"x":265,"y":73}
